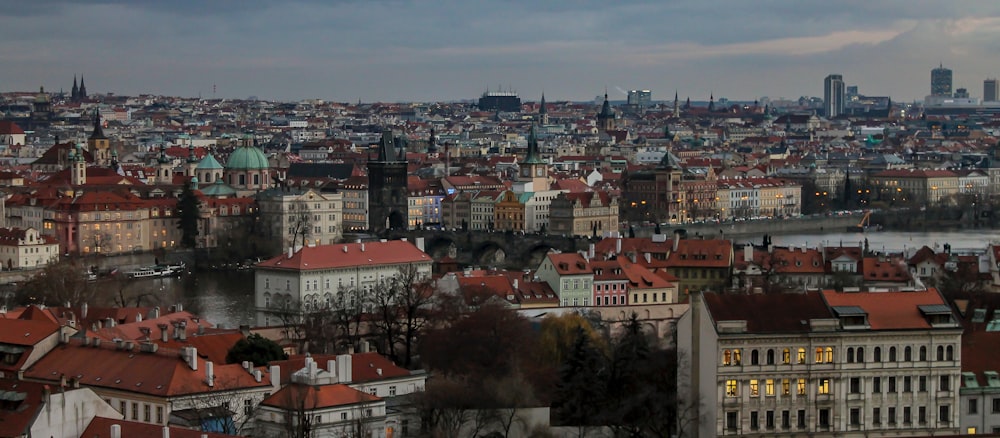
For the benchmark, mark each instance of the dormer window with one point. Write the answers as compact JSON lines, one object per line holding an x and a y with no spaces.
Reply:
{"x":937,"y":314}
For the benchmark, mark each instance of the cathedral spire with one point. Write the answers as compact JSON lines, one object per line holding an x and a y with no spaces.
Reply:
{"x":98,"y":132}
{"x":83,"y":89}
{"x":73,"y":93}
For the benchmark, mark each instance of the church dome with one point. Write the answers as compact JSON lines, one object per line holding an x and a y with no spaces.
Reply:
{"x":247,"y":158}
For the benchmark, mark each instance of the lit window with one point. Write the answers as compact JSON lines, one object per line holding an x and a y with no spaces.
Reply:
{"x":802,"y":356}
{"x":801,"y":387}
{"x":754,"y":390}
{"x":823,"y":387}
{"x":769,"y":387}
{"x":732,"y":388}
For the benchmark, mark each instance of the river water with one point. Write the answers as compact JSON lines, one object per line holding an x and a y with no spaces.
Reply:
{"x":226,"y":297}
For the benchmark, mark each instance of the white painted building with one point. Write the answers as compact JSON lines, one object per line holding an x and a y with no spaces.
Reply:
{"x":26,"y":248}
{"x":302,"y":217}
{"x":819,"y":364}
{"x":322,"y":276}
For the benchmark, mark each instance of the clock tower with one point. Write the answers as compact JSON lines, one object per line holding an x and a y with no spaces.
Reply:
{"x":533,"y":169}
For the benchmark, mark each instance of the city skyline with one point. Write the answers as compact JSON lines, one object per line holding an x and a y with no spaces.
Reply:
{"x":422,"y":51}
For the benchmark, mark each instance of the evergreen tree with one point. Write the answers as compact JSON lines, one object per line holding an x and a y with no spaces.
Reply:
{"x":189,"y":214}
{"x":256,"y":349}
{"x":631,"y":232}
{"x":579,"y":394}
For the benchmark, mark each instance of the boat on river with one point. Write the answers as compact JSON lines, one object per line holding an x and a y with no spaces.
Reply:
{"x":157,"y":271}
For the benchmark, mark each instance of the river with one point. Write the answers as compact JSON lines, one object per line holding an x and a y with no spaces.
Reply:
{"x":226,"y":297}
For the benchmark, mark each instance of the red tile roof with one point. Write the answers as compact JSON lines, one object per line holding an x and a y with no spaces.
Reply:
{"x":16,"y":422}
{"x":8,"y":127}
{"x":364,"y":366}
{"x":100,"y":427}
{"x":889,"y":310}
{"x":708,"y":253}
{"x":569,"y":263}
{"x":308,"y":397}
{"x":348,"y":255}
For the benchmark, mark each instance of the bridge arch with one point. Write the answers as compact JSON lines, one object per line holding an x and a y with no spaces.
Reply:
{"x":536,"y":254}
{"x":440,"y":246}
{"x":490,"y":253}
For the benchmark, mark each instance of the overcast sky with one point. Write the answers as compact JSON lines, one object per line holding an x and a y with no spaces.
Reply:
{"x":409,"y":50}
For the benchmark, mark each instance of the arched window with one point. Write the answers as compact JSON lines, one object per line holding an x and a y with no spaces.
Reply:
{"x":861,"y":355}
{"x":754,"y":358}
{"x":940,"y":352}
{"x":819,"y":355}
{"x":727,"y":357}
{"x":907,"y":354}
{"x":923,"y":353}
{"x":951,"y":353}
{"x":801,"y":356}
{"x":892,"y":354}
{"x":267,"y":300}
{"x":829,"y":355}
{"x":786,"y":356}
{"x":770,"y":356}
{"x":877,"y":354}
{"x":737,"y":358}
{"x":850,"y":355}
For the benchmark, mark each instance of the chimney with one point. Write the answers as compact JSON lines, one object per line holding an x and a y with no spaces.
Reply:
{"x":365,"y":346}
{"x":182,"y":331}
{"x":590,"y":251}
{"x":209,"y":373}
{"x":379,"y":371}
{"x":420,"y":243}
{"x":108,"y":322}
{"x":246,"y":365}
{"x":618,"y":245}
{"x":748,"y":253}
{"x":345,"y":249}
{"x":201,"y":328}
{"x":164,"y":333}
{"x":155,"y":313}
{"x":515,"y":284}
{"x":191,"y":355}
{"x":275,"y":372}
{"x":179,"y":307}
{"x":649,"y":258}
{"x":344,"y":368}
{"x":166,"y":432}
{"x":291,"y":252}
{"x":256,"y":376}
{"x":116,"y":431}
{"x":83,"y":311}
{"x":677,"y":239}
{"x":331,"y":367}
{"x":362,"y":247}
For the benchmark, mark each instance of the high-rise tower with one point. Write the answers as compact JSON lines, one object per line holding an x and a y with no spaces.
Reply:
{"x":387,"y":194}
{"x":990,"y":90}
{"x":833,"y":96}
{"x":941,"y":81}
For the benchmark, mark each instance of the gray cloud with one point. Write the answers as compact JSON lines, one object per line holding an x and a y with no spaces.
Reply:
{"x":450,"y":49}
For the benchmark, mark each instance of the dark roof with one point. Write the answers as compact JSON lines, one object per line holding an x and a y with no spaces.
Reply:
{"x":779,"y":313}
{"x":337,"y":171}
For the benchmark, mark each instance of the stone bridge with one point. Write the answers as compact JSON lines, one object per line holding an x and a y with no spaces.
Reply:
{"x":491,"y":249}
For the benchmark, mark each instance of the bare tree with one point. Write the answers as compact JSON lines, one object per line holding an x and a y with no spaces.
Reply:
{"x":231,"y":411}
{"x":399,"y":306}
{"x":58,"y":284}
{"x":299,"y":222}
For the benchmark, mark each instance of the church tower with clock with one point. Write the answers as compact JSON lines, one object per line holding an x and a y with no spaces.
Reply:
{"x":534,"y":170}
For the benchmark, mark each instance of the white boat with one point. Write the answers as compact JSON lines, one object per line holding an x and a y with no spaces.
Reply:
{"x":168,"y":270}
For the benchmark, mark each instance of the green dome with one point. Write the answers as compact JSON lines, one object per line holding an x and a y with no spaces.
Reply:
{"x":247,"y":158}
{"x":209,"y":163}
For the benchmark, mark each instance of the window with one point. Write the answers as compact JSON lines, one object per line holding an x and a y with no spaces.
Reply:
{"x":850,"y":355}
{"x":823,"y":386}
{"x":135,"y":411}
{"x":786,"y":356}
{"x":801,"y":387}
{"x":860,"y":355}
{"x":892,"y":384}
{"x":876,"y":416}
{"x":727,"y":357}
{"x":392,"y":391}
{"x":769,"y":418}
{"x":732,"y":420}
{"x":122,"y":408}
{"x":147,"y":413}
{"x":754,"y":421}
{"x":922,"y":383}
{"x":906,"y":384}
{"x":801,"y":421}
{"x":824,"y":418}
{"x":770,"y":357}
{"x":753,"y":388}
{"x":923,"y":353}
{"x":945,"y":383}
{"x":819,"y":355}
{"x":732,"y":388}
{"x":786,"y":420}
{"x":877,"y":354}
{"x":940,"y":352}
{"x":754,"y":357}
{"x":855,"y":385}
{"x":343,"y":415}
{"x":802,"y":356}
{"x":950,"y":353}
{"x":907,"y":355}
{"x":769,"y":387}
{"x":892,"y":354}
{"x":922,"y":415}
{"x":876,"y":385}
{"x":737,"y":359}
{"x":855,"y":417}
{"x":892,"y":415}
{"x":973,"y":406}
{"x":247,"y":406}
{"x":786,"y":387}
{"x":907,"y":417}
{"x":996,"y":406}
{"x":159,"y":415}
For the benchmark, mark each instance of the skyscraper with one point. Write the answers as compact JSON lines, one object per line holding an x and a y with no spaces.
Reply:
{"x":833,"y":96}
{"x":990,"y":90}
{"x":640,"y":97}
{"x":941,"y":81}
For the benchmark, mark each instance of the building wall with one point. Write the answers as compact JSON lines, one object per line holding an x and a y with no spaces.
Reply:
{"x":68,"y":413}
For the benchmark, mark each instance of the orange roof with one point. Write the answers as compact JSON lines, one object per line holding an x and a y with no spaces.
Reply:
{"x":364,"y":366}
{"x":889,"y":310}
{"x":348,"y":255}
{"x":159,"y":374}
{"x":569,"y":263}
{"x":308,"y":397}
{"x":25,"y":332}
{"x":708,"y":253}
{"x":17,"y":422}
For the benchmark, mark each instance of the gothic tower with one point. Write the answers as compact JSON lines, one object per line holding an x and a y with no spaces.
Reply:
{"x":99,"y":145}
{"x":677,"y":109}
{"x":606,"y":118}
{"x":533,"y":169}
{"x":83,"y":90}
{"x":164,"y":168}
{"x":387,"y":192}
{"x":543,"y":113}
{"x":74,"y":92}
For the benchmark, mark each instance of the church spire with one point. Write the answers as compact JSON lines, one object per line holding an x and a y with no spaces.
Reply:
{"x":532,"y":157}
{"x":83,"y":89}
{"x":73,"y":93}
{"x":98,"y":132}
{"x":711,"y":102}
{"x":677,"y":110}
